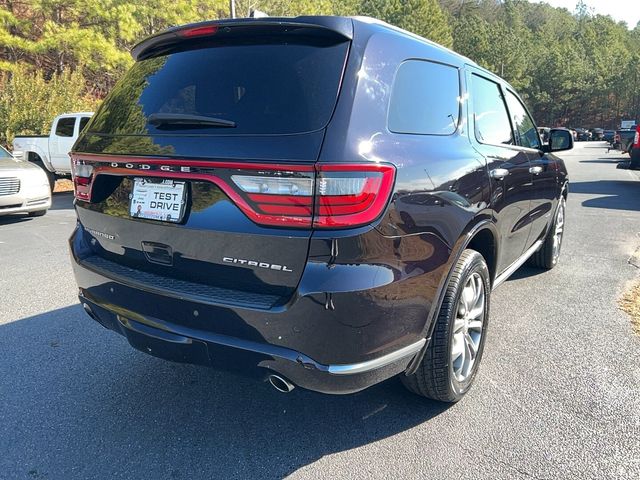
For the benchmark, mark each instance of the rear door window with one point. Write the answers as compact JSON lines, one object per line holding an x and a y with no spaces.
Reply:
{"x":266,"y":86}
{"x":65,"y":127}
{"x":490,"y":115}
{"x":525,"y":129}
{"x":424,"y":99}
{"x":83,"y":123}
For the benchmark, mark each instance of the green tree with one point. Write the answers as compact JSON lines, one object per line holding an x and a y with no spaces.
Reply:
{"x":422,"y":17}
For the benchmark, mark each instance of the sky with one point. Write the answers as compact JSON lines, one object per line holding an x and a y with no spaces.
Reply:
{"x":621,"y":10}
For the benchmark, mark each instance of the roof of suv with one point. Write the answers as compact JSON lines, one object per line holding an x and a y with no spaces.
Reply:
{"x":343,"y":26}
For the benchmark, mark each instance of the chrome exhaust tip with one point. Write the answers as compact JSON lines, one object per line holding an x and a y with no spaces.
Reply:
{"x":280,"y":384}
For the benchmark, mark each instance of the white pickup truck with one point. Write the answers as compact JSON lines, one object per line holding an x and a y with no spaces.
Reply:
{"x":51,"y":152}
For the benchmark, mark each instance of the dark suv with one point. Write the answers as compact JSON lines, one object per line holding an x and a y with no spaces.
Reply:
{"x":325,"y":202}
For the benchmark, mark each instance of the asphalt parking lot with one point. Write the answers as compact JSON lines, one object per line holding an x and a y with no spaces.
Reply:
{"x":557,"y":396}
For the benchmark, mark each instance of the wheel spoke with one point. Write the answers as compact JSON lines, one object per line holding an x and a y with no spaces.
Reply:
{"x":469,"y":294}
{"x":474,"y":325}
{"x":471,"y":346}
{"x":458,"y":325}
{"x":458,"y":347}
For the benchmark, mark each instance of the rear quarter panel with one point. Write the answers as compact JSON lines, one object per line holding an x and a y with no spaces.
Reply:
{"x":441,"y":190}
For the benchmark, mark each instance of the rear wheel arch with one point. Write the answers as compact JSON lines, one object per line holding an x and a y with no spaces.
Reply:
{"x":485,"y":243}
{"x":481,"y":236}
{"x":34,"y":157}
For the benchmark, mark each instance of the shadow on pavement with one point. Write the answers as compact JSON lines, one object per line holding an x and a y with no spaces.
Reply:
{"x":525,"y":272}
{"x":611,"y":160}
{"x":14,"y":218}
{"x":79,"y":402}
{"x":616,"y":194}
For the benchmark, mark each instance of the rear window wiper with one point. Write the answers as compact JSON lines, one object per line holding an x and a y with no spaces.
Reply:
{"x":186,"y":119}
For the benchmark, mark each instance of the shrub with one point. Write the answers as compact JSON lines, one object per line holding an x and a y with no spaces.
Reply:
{"x":29,"y":102}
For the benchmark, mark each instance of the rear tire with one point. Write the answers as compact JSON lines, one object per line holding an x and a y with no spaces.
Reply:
{"x":38,"y":213}
{"x":453,"y":355}
{"x":547,"y":256}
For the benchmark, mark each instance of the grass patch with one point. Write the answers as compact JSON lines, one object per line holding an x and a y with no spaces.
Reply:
{"x":630,"y":303}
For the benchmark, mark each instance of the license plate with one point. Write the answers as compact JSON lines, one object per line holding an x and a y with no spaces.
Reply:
{"x":157,"y":200}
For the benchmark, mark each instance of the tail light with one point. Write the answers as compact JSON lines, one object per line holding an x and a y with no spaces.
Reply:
{"x":636,"y":138}
{"x":82,"y":177}
{"x":351,"y":195}
{"x":343,"y":196}
{"x":302,"y":196}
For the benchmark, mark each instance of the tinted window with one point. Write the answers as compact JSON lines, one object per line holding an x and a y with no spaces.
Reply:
{"x":526,"y":133}
{"x":64,"y":128}
{"x":491,"y":117}
{"x":424,"y":99}
{"x":83,"y":122}
{"x":270,"y":86}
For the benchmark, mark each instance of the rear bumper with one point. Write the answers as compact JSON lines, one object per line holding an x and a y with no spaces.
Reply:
{"x":320,"y":349}
{"x":247,"y":358}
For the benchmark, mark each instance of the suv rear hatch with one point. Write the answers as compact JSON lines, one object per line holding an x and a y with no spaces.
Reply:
{"x":197,"y":172}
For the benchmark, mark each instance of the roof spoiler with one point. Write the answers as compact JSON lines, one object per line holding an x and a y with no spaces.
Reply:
{"x":156,"y":43}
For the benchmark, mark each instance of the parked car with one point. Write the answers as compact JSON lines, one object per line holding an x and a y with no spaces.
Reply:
{"x":597,"y":134}
{"x":544,"y":132}
{"x":51,"y":152}
{"x":609,"y":135}
{"x":635,"y":150}
{"x":23,"y":187}
{"x":327,"y":213}
{"x":623,"y":140}
{"x":583,"y":135}
{"x":574,"y":134}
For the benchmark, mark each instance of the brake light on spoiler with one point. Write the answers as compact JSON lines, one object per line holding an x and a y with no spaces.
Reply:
{"x":302,"y":196}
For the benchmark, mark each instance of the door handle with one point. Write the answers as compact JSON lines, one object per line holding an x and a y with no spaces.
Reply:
{"x":498,"y":173}
{"x":537,"y":170}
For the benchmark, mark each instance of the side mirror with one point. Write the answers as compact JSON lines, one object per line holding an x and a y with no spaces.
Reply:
{"x":560,"y":139}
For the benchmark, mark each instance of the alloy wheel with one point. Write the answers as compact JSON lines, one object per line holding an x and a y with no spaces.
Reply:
{"x":467,"y":327}
{"x":557,"y":234}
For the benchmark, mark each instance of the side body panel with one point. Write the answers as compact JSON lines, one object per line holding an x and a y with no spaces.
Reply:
{"x":38,"y":145}
{"x":442,"y":188}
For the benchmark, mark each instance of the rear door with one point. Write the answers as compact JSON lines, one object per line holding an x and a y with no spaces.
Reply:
{"x":508,"y":166}
{"x":225,"y":201}
{"x":542,"y":167}
{"x":60,"y":143}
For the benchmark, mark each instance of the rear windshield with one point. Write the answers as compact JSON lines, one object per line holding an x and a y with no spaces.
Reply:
{"x":266,"y":86}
